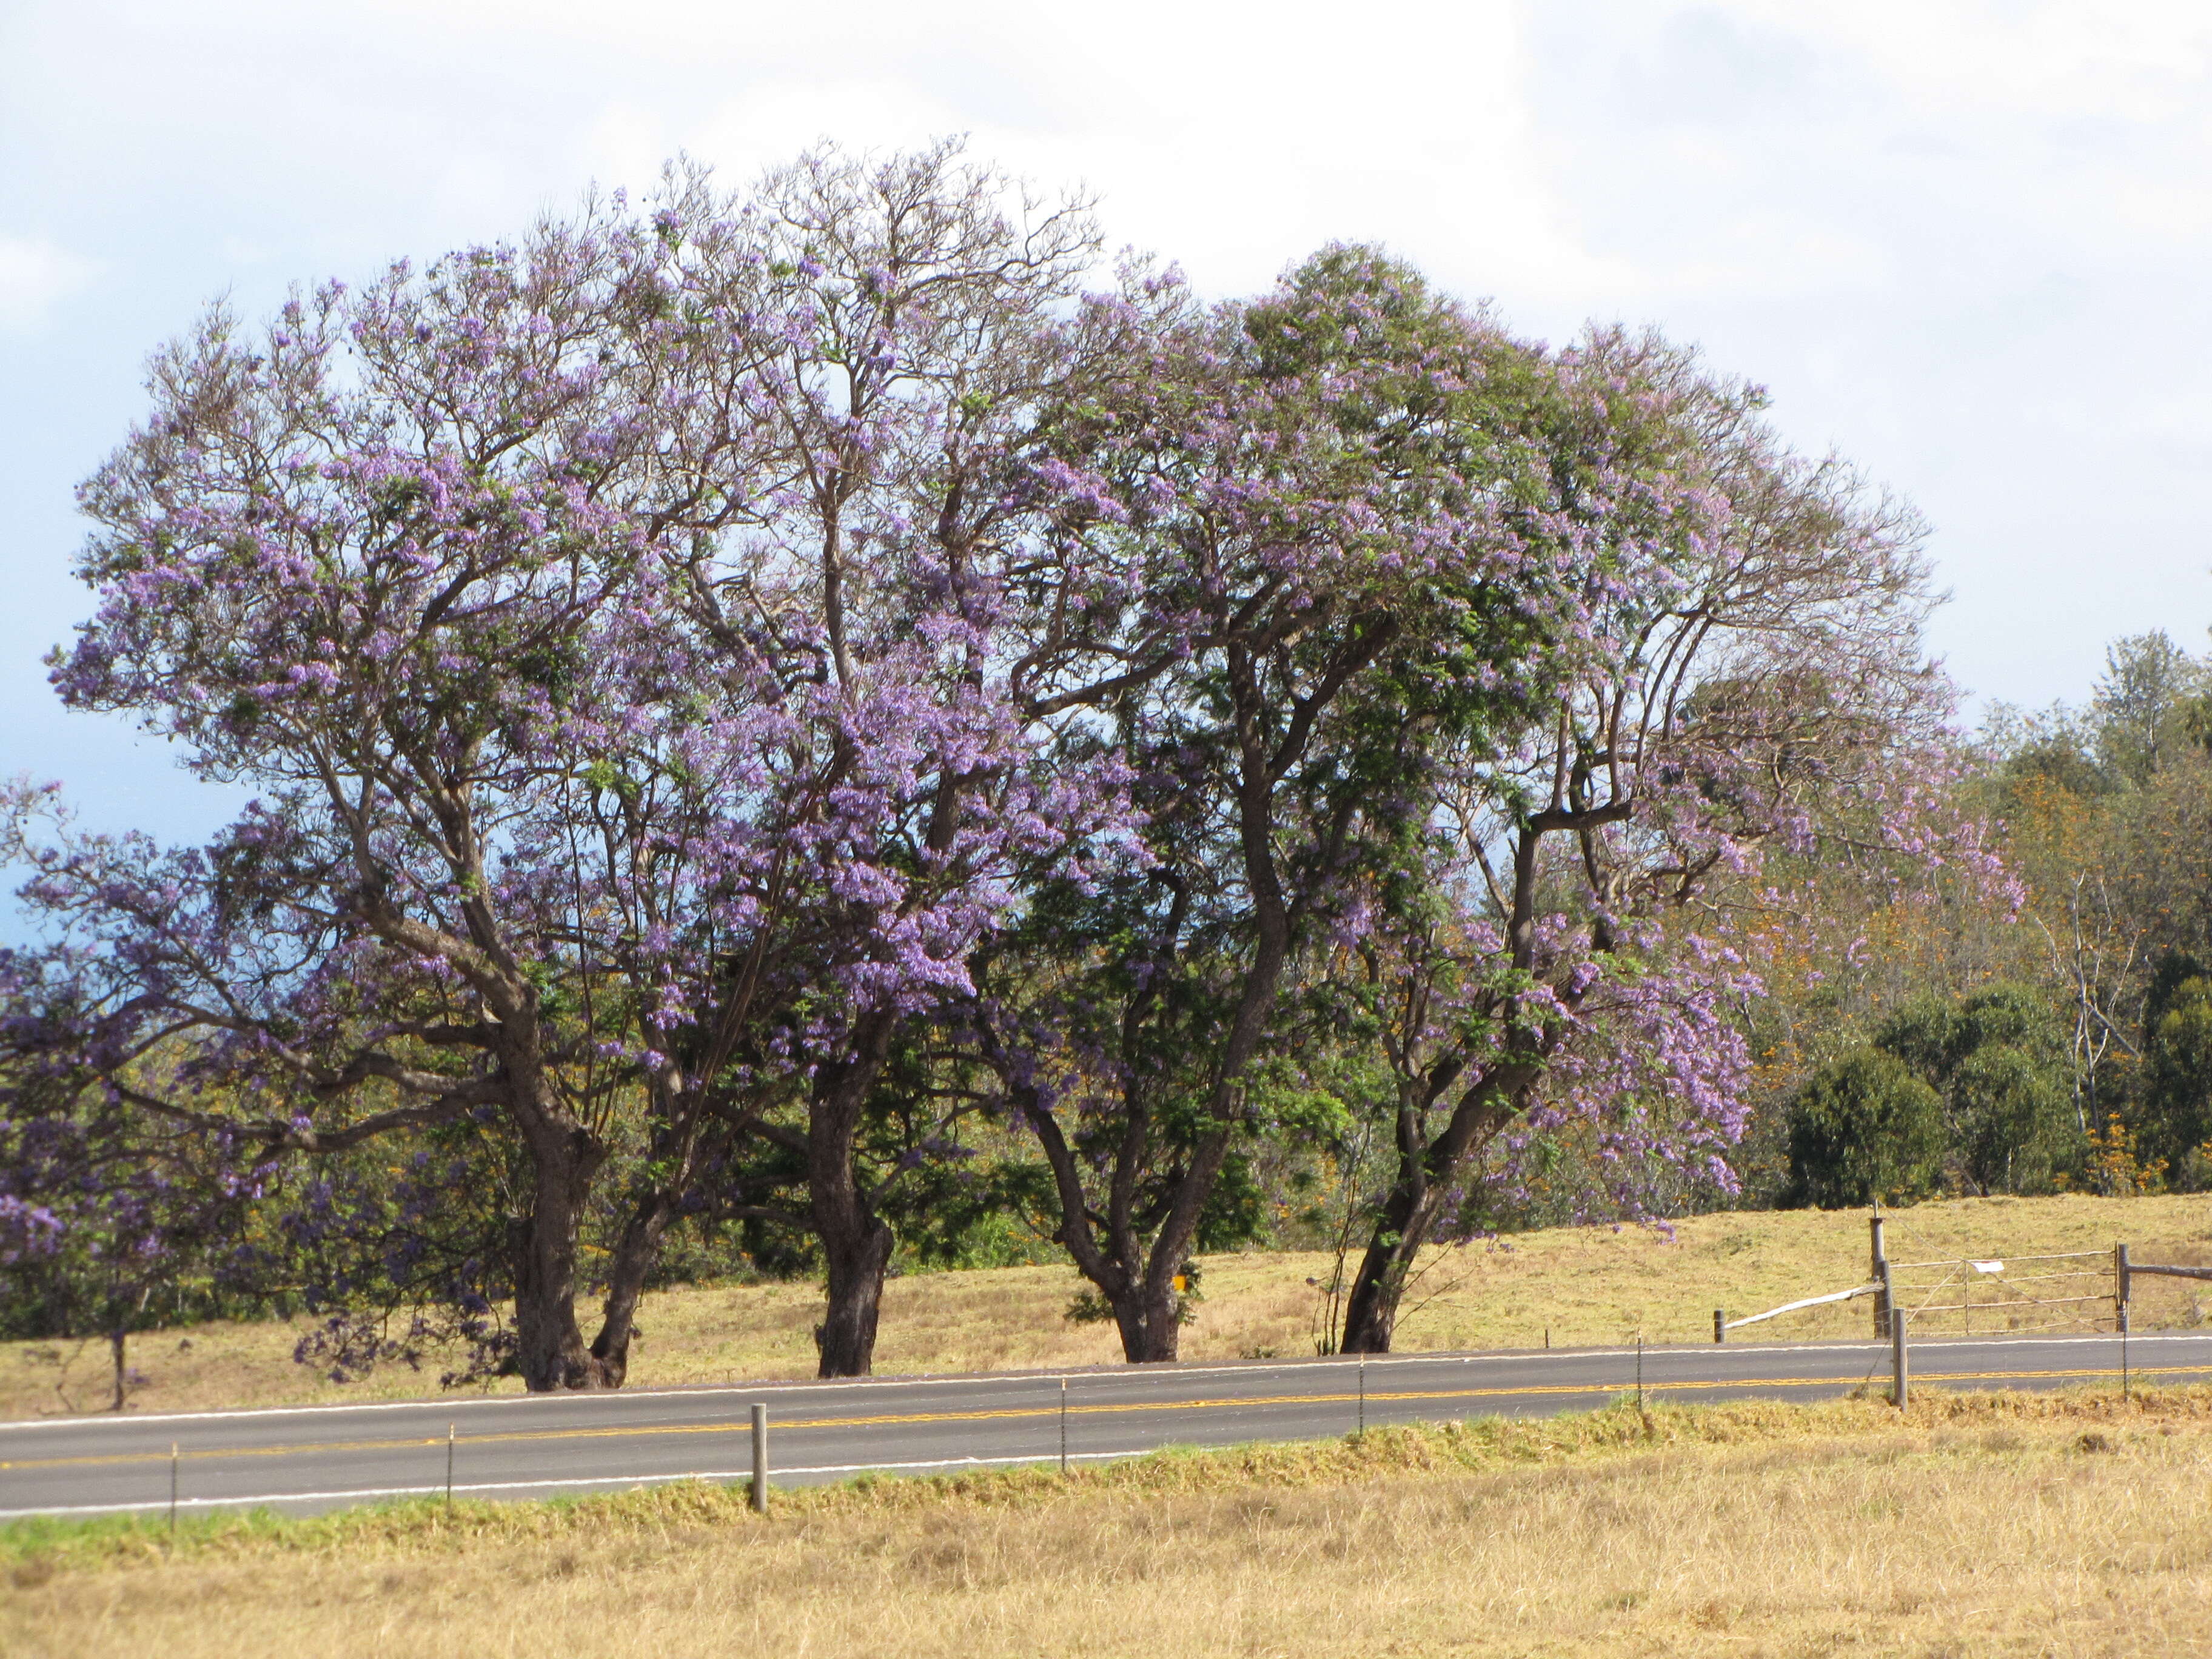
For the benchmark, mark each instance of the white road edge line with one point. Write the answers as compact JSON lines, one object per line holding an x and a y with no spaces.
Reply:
{"x":733,"y":1475}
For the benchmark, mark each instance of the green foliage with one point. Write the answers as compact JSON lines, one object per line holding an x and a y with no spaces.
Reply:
{"x":2175,"y":1119}
{"x":2144,"y":703}
{"x":1998,"y":1059}
{"x":2056,"y":752}
{"x":973,"y":1212}
{"x":2012,"y":1121}
{"x":1862,"y":1127}
{"x":1235,"y":1211}
{"x":1935,"y":1035}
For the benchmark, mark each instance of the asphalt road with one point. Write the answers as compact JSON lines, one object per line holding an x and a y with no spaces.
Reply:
{"x":323,"y":1457}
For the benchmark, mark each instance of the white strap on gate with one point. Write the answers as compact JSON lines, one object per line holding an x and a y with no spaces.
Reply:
{"x":1809,"y":1302}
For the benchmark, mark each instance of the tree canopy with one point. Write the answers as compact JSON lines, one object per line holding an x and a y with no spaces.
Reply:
{"x":820,"y":725}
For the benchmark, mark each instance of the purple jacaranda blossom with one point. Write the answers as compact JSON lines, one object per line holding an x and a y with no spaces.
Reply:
{"x":1743,"y":676}
{"x":1330,"y":561}
{"x":626,"y":630}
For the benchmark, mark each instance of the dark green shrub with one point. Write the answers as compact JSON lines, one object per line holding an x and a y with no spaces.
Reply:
{"x":1862,"y":1127}
{"x":2176,"y":1114}
{"x":1998,"y":1060}
{"x":2012,"y":1121}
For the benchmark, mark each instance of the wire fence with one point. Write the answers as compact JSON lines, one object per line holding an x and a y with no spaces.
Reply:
{"x":2082,"y":1290}
{"x":2073,"y":1291}
{"x":2005,"y":1296}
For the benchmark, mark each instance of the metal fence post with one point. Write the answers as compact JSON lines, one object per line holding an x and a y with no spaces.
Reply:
{"x":1063,"y":1425}
{"x":1639,"y":1371}
{"x":1363,"y":1393}
{"x":1900,"y":1386}
{"x":1720,"y":1324}
{"x":760,"y":1460}
{"x":172,"y":1493}
{"x":2123,"y":1351}
{"x":449,"y":1467}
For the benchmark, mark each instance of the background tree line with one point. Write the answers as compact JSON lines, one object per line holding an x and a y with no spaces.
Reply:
{"x":2055,"y":1043}
{"x":823,"y":729}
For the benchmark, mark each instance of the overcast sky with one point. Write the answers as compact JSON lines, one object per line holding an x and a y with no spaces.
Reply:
{"x":1965,"y":244}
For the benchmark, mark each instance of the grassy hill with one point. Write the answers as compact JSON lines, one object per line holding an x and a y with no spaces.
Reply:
{"x":1570,"y":1285}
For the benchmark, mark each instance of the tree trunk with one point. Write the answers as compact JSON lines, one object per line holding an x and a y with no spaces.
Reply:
{"x":1429,"y":1173}
{"x":1141,"y":1288}
{"x":856,"y":1242}
{"x":858,"y":1261}
{"x":1151,"y":1333}
{"x":634,"y":1257}
{"x":549,"y":1349}
{"x":1137,"y":1281}
{"x":1370,"y":1312}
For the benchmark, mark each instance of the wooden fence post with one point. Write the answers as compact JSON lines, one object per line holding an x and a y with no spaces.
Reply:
{"x":1899,"y":1384}
{"x":1878,"y":1270}
{"x":760,"y":1460}
{"x":1720,"y":1324}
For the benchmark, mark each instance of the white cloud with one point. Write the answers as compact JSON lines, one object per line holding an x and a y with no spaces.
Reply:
{"x":35,"y":274}
{"x":1962,"y":239}
{"x":2139,"y":62}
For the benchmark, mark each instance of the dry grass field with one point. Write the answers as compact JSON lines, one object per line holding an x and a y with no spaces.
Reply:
{"x":1569,"y":1285}
{"x":2074,"y":1525}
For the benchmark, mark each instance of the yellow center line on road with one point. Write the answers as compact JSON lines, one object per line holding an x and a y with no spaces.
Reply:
{"x":1377,"y":1396}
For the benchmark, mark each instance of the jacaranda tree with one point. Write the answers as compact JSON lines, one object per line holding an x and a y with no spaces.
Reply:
{"x":1748,"y":676}
{"x":812,"y":779}
{"x":1315,"y":501}
{"x":357,"y":561}
{"x":724,"y":670}
{"x":620,"y":626}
